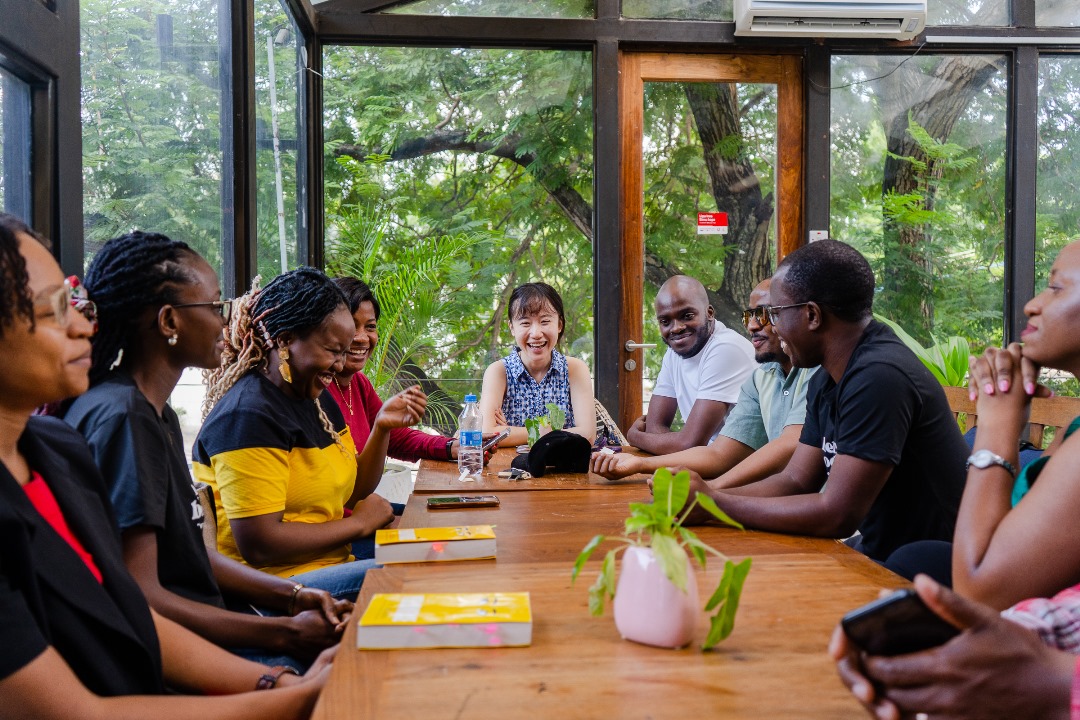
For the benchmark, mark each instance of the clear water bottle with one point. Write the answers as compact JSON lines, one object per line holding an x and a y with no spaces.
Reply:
{"x":471,"y":439}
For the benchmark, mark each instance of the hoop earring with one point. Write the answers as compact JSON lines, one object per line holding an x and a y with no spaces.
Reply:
{"x":173,"y":340}
{"x":283,"y":367}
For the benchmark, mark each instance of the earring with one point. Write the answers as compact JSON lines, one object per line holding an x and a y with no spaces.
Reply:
{"x":283,"y":368}
{"x":174,"y":339}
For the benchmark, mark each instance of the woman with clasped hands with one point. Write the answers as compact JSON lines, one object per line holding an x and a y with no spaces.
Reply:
{"x":1016,"y":538}
{"x":78,"y":638}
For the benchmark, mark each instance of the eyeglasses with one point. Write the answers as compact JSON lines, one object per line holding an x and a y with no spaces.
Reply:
{"x":760,"y":314}
{"x":774,"y":310}
{"x":224,"y":307}
{"x":72,"y":295}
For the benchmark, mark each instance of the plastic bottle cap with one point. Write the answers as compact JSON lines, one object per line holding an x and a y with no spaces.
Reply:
{"x":470,"y":398}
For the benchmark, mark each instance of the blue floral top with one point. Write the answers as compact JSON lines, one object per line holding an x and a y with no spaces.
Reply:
{"x":525,"y":398}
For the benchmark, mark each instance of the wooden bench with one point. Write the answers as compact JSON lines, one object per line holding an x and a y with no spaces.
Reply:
{"x":1053,"y":412}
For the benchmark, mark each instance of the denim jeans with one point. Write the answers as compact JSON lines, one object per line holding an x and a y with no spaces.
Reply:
{"x":341,"y":581}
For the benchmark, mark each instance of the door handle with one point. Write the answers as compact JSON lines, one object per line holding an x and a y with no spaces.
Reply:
{"x":631,"y":346}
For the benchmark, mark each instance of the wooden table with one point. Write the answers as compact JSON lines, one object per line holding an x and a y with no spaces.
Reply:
{"x":774,"y":665}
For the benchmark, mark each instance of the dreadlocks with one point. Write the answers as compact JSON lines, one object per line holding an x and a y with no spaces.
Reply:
{"x":298,"y":302}
{"x":130,"y":273}
{"x":15,"y":298}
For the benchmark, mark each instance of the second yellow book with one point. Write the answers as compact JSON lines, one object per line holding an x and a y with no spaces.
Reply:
{"x":469,"y":542}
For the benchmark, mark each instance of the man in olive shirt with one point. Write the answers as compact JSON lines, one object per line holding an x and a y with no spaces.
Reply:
{"x":761,"y":431}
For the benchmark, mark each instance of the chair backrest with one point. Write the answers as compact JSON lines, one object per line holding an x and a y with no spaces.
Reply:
{"x":1052,"y":412}
{"x":605,"y":421}
{"x":205,"y":493}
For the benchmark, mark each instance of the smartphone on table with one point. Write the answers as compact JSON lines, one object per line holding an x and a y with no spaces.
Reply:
{"x":897,"y":624}
{"x":462,"y":501}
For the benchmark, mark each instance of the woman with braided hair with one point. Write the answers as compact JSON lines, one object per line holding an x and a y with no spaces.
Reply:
{"x":160,"y":311}
{"x":78,"y":638}
{"x":277,"y":451}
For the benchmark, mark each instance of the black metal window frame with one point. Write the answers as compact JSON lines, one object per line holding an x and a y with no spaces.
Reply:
{"x":355,"y":22}
{"x":39,"y":44}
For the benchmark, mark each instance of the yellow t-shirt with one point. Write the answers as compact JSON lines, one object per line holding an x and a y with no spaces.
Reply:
{"x":263,"y":452}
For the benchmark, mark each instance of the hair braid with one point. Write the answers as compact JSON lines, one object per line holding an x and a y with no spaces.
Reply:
{"x":298,"y":301}
{"x":15,"y":298}
{"x":129,"y":274}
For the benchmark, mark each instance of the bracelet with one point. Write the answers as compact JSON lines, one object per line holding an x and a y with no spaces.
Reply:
{"x":269,"y":680}
{"x":450,"y":449}
{"x":292,"y":599}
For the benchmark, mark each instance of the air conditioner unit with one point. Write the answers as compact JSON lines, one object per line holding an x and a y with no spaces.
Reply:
{"x":895,"y":19}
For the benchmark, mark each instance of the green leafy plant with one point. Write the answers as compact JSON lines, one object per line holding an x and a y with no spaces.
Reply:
{"x":659,"y":525}
{"x":554,"y":420}
{"x":947,"y":359}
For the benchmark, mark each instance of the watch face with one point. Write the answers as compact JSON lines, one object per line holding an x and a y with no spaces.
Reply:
{"x":982,"y":459}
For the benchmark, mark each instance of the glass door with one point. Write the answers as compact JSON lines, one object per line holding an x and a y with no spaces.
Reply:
{"x":712,"y":187}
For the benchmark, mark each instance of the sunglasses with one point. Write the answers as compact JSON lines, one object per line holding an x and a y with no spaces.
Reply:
{"x":759,"y":314}
{"x":224,"y":307}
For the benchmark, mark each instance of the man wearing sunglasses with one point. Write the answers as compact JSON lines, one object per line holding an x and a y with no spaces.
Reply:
{"x":761,"y":431}
{"x":880,"y":452}
{"x":703,"y":369}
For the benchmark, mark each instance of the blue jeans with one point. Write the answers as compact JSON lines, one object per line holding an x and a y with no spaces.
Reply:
{"x":364,"y":547}
{"x":341,"y":581}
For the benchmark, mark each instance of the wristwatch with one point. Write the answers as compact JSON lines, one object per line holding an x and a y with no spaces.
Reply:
{"x":984,"y":458}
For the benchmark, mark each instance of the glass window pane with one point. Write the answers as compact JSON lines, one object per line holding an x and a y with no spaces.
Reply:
{"x":498,"y":8}
{"x":1057,"y":13}
{"x":1058,"y":179}
{"x":15,"y":183}
{"x":967,"y":12}
{"x":277,"y":107}
{"x":452,"y":176}
{"x":151,"y":115}
{"x":918,"y":185}
{"x":679,"y":9}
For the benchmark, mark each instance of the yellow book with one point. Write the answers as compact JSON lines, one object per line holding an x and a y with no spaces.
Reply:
{"x":470,"y":542}
{"x":445,"y":620}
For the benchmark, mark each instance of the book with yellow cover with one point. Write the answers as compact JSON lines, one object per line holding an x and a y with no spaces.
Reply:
{"x":445,"y":620}
{"x":469,"y":542}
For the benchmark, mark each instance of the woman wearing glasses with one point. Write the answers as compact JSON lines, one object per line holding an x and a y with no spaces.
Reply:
{"x":160,"y":311}
{"x":79,"y":639}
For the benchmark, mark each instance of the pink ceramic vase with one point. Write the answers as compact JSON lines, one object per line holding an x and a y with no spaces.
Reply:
{"x":649,"y":609}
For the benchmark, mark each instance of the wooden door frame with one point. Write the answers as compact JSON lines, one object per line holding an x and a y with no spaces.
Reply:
{"x":637,"y":68}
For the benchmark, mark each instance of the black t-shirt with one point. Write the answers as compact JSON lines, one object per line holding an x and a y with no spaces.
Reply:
{"x":141,"y":456}
{"x":888,"y":408}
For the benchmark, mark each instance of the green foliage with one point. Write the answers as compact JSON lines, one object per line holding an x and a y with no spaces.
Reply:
{"x":419,"y":288}
{"x":384,"y":103}
{"x":947,"y":359}
{"x":555,"y":419}
{"x":659,"y":525}
{"x":936,"y":245}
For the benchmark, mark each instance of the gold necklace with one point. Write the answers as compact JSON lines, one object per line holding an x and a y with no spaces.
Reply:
{"x":345,"y":392}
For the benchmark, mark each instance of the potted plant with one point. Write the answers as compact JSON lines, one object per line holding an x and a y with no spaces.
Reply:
{"x":656,"y":599}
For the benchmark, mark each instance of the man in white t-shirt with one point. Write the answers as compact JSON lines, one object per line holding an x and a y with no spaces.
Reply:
{"x":703,"y":370}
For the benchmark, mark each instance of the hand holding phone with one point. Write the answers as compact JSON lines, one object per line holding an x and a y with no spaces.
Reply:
{"x":897,"y":624}
{"x":491,"y":442}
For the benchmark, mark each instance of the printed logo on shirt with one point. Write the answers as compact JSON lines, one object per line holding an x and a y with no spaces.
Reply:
{"x":829,"y":448}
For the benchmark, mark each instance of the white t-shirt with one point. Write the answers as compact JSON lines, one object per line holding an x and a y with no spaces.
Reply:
{"x":717,"y":372}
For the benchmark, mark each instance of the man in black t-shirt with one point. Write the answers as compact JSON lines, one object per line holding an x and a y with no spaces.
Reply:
{"x":880,"y":451}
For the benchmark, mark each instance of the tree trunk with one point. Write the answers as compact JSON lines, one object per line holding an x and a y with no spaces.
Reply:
{"x":737,"y":192}
{"x":935,"y":100}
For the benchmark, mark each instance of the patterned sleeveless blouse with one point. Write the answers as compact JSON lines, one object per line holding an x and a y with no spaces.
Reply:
{"x":525,"y":398}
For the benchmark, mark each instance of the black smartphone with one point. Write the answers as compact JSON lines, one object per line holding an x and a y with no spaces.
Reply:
{"x":896,"y":624}
{"x":496,"y":440}
{"x":462,"y":501}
